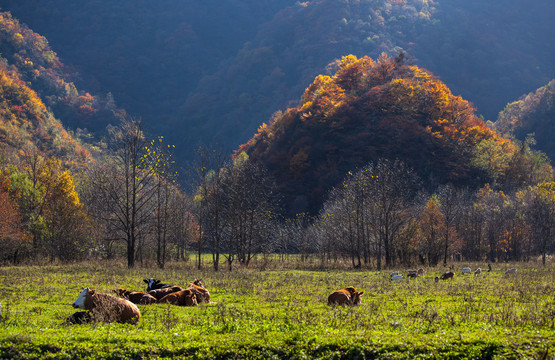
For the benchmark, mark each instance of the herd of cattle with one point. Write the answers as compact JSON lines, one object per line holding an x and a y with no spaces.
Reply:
{"x":123,"y":308}
{"x":109,"y":308}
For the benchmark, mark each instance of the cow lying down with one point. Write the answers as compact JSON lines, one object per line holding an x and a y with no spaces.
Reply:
{"x":106,"y":308}
{"x":202,"y":294}
{"x":136,"y":297}
{"x":347,"y":296}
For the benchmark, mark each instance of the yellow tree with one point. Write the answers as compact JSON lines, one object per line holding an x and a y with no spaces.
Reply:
{"x":431,"y":230}
{"x":62,"y":211}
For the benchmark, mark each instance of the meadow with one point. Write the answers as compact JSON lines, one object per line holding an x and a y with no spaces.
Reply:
{"x":283,"y":313}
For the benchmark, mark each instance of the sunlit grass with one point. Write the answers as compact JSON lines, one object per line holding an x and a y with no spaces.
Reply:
{"x":284,"y":313}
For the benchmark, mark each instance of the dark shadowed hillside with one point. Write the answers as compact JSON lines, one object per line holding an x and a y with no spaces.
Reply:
{"x":490,"y":52}
{"x":373,"y":109}
{"x":29,"y":55}
{"x":211,"y":71}
{"x":533,"y":113}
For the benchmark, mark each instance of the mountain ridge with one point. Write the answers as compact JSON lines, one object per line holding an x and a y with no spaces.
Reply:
{"x":378,"y":109}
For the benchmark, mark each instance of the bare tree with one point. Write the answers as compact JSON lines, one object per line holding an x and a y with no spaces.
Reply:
{"x":539,"y":202}
{"x":248,"y":201}
{"x":182,"y":225}
{"x":449,"y":202}
{"x":493,"y":205}
{"x":159,"y":159}
{"x":392,"y":185}
{"x":207,"y":208}
{"x":124,"y":186}
{"x":368,"y":210}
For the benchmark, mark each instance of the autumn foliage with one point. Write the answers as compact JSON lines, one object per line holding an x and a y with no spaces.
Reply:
{"x":28,"y":55}
{"x":533,"y":113}
{"x":370,"y":109}
{"x":26,"y":124}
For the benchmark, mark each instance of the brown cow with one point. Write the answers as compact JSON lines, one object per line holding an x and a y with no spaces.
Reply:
{"x":181,"y":298}
{"x":201,"y":293}
{"x":136,"y":297}
{"x":107,"y":308}
{"x":160,"y":293}
{"x":347,"y":296}
{"x":447,"y":275}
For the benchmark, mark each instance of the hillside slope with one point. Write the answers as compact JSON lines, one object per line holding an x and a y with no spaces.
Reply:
{"x":371,"y":109}
{"x":32,"y":83}
{"x":27,"y":127}
{"x":29,"y":55}
{"x":212,"y":71}
{"x":533,"y":113}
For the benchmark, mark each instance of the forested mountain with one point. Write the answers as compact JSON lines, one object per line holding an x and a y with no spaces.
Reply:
{"x":26,"y":126}
{"x":27,"y":56}
{"x":372,"y":109}
{"x":212,"y":71}
{"x":29,"y":73}
{"x":149,"y":56}
{"x":533,"y":113}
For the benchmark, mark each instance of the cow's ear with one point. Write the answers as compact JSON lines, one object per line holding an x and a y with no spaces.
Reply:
{"x":360,"y":293}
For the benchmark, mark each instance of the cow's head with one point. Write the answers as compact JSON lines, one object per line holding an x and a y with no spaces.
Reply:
{"x":80,"y":302}
{"x":356,"y":298}
{"x":150,"y":282}
{"x":121,"y":292}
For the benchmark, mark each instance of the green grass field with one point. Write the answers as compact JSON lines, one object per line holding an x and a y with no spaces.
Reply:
{"x":284,"y":314}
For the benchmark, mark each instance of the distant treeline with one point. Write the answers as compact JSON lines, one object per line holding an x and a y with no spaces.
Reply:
{"x":129,"y":206}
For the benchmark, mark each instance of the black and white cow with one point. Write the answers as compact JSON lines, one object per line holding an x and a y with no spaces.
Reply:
{"x":154,"y":284}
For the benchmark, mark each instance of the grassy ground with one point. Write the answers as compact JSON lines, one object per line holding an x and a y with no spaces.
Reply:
{"x":284,"y":314}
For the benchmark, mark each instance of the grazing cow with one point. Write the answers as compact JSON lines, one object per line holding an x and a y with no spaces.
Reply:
{"x":202,"y":294}
{"x":348,"y":296}
{"x":181,"y":298}
{"x":447,"y":275}
{"x":477,"y":272}
{"x":79,"y":317}
{"x":420,"y":272}
{"x":107,"y":308}
{"x":466,"y":270}
{"x":510,"y":271}
{"x":412,"y":275}
{"x":136,"y":297}
{"x":154,"y":284}
{"x":160,"y":293}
